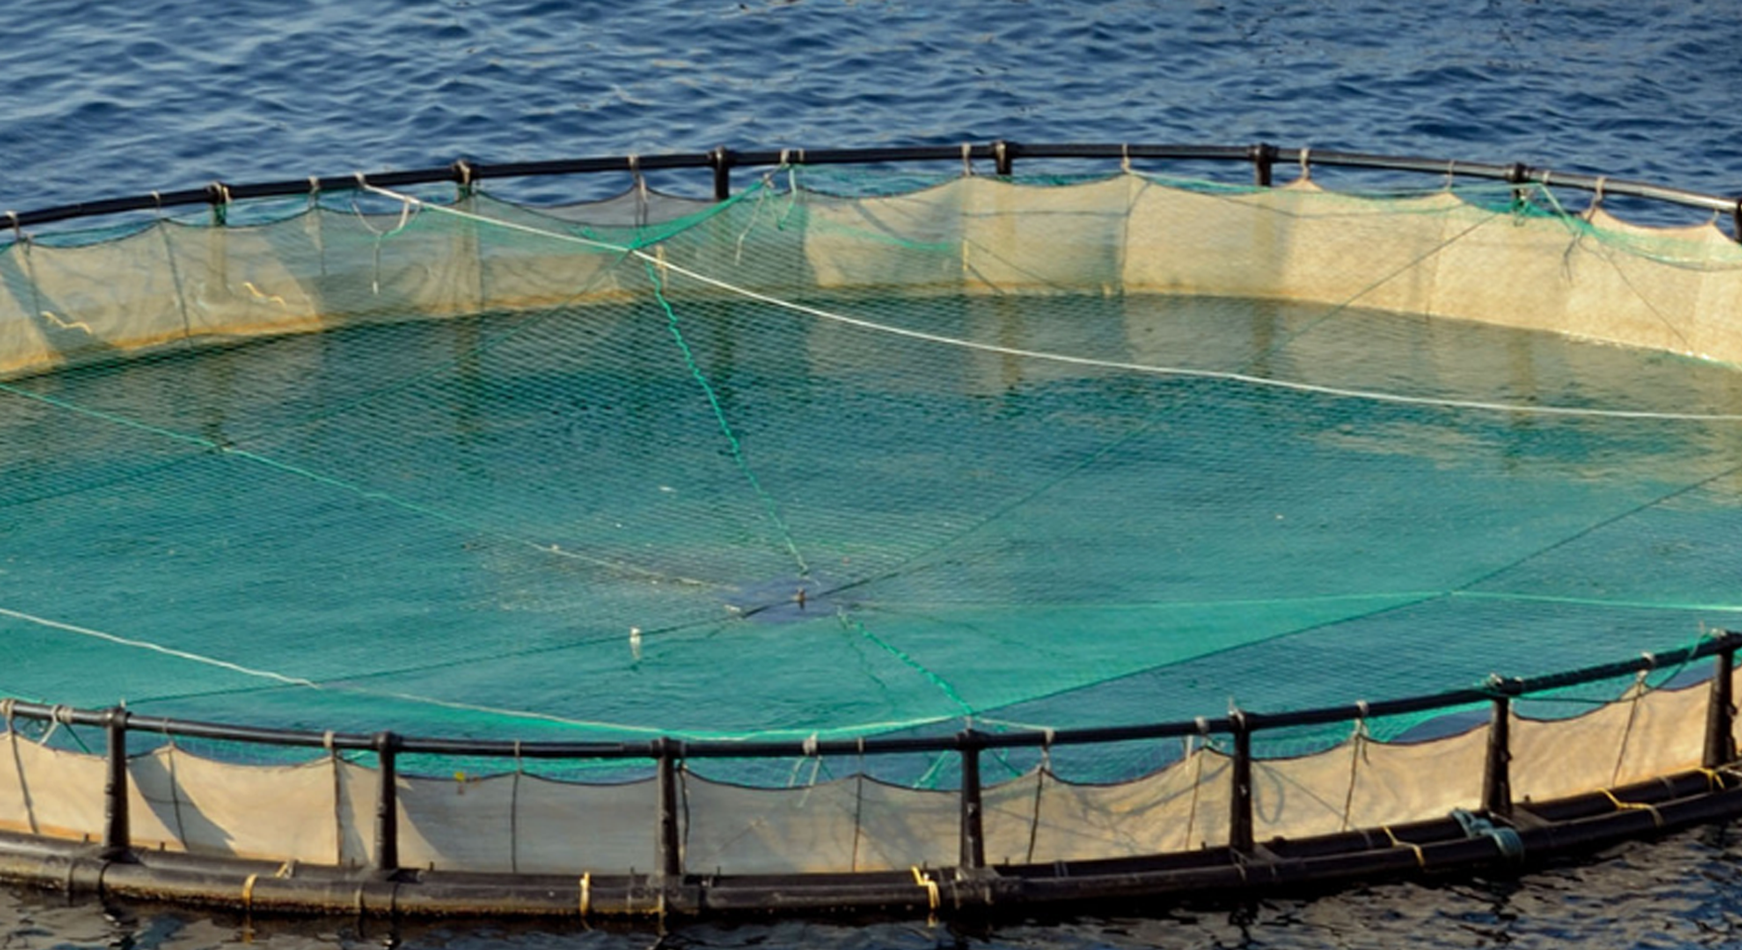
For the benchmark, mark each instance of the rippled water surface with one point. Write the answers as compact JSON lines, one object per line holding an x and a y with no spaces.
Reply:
{"x":161,"y":94}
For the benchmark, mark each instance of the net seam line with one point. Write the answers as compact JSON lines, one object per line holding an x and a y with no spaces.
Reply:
{"x":1182,"y":372}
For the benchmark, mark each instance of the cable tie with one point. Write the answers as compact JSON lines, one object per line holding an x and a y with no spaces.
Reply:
{"x":1125,"y":157}
{"x":999,"y":151}
{"x":1597,"y":195}
{"x":1306,"y":172}
{"x":1451,"y":172}
{"x":810,"y":746}
{"x":586,"y":894}
{"x":1203,"y":725}
{"x":967,"y":160}
{"x":17,"y":228}
{"x":327,"y":742}
{"x":783,"y":158}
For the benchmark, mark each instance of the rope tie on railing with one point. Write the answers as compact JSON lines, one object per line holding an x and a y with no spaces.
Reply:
{"x":1656,"y":816}
{"x":1451,"y":172}
{"x":1040,"y":774}
{"x":1632,"y":696}
{"x":1125,"y":157}
{"x":514,"y":812}
{"x":1506,"y":839}
{"x":338,"y":797}
{"x":931,"y":888}
{"x":1000,"y":151}
{"x":314,"y":192}
{"x":174,"y":786}
{"x":967,"y":160}
{"x":17,"y":228}
{"x":641,"y":200}
{"x":220,"y":202}
{"x":248,"y":893}
{"x":586,"y":894}
{"x":1306,"y":171}
{"x":1396,"y":842}
{"x":464,"y":168}
{"x":858,"y":805}
{"x":1358,"y":741}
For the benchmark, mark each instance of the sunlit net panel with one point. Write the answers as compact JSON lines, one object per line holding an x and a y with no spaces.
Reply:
{"x":1645,"y":733}
{"x":523,"y":824}
{"x":1367,"y":784}
{"x":49,"y":791}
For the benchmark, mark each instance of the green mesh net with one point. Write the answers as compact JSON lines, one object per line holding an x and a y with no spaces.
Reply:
{"x":845,"y":456}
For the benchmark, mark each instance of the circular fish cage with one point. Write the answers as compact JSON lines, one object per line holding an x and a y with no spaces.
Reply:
{"x":910,"y":530}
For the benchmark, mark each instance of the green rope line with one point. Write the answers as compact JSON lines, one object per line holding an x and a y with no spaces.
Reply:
{"x":943,"y":685}
{"x":769,"y":505}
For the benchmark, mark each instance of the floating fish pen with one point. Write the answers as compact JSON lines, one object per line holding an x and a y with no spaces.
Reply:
{"x":917,"y":531}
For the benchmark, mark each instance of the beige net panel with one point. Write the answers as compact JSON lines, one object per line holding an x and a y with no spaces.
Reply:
{"x":322,"y":811}
{"x":1429,"y":255}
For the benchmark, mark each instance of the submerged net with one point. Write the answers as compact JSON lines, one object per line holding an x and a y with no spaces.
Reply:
{"x":841,"y":457}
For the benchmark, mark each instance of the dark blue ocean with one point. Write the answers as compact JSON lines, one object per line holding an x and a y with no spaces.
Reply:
{"x":115,"y":99}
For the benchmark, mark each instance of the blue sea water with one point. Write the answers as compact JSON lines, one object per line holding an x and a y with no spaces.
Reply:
{"x":106,"y":100}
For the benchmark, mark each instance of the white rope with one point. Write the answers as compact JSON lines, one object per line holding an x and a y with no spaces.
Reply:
{"x":1180,"y":372}
{"x":158,"y":648}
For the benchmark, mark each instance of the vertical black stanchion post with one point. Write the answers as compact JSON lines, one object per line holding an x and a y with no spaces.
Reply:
{"x":721,"y":159}
{"x":1721,"y":712}
{"x":1497,"y":770}
{"x":387,"y":803}
{"x":117,"y":836}
{"x":1263,"y":155}
{"x":1240,"y":801}
{"x":670,"y":842}
{"x":973,"y":855}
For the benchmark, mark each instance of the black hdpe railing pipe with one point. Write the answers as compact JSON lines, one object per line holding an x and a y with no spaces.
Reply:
{"x":1723,"y":643}
{"x":1003,"y":154}
{"x":668,"y":754}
